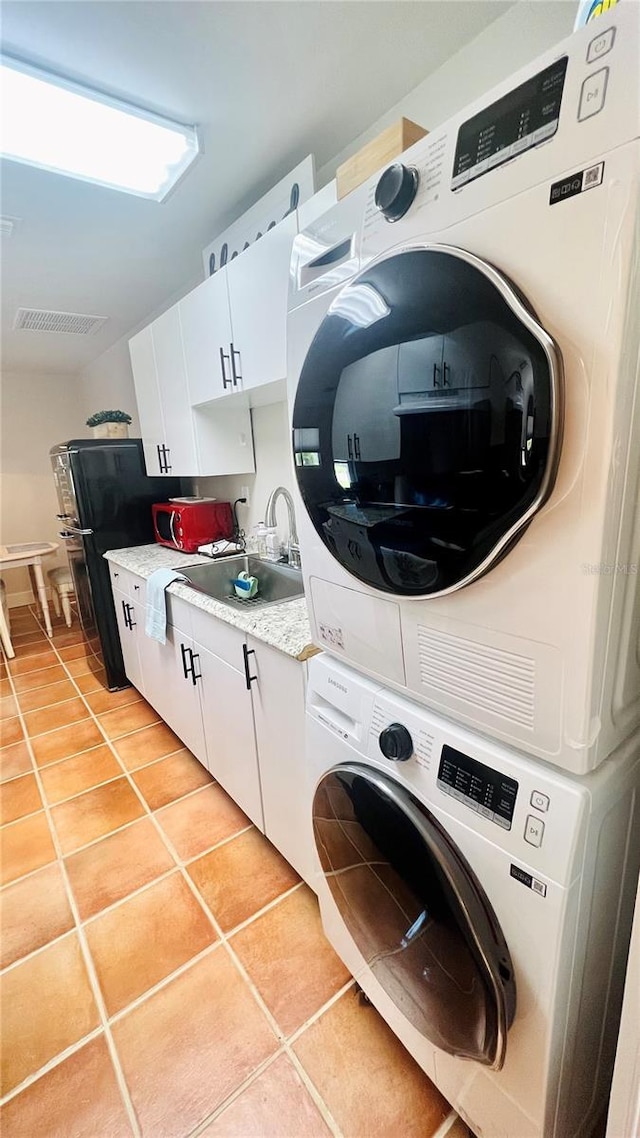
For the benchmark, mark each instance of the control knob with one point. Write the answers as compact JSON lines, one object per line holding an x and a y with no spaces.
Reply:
{"x":396,"y":743}
{"x":396,"y":190}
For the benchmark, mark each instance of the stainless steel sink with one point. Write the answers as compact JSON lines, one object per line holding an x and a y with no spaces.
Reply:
{"x":276,"y":582}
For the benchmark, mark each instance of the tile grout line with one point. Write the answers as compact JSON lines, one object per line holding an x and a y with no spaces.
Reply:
{"x":84,"y":947}
{"x":117,"y":830}
{"x":51,"y":1064}
{"x":322,"y":1106}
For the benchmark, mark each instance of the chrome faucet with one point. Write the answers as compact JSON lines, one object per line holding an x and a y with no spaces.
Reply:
{"x":293,"y":547}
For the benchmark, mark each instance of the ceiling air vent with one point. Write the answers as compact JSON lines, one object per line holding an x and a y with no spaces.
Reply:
{"x":69,"y":323}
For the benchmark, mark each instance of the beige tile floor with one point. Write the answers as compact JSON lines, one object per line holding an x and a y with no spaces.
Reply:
{"x":164,"y":970}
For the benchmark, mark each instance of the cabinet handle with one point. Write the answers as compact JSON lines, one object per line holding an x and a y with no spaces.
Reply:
{"x":136,"y":587}
{"x":195,"y":675}
{"x":163,"y":463}
{"x":247,"y":652}
{"x":349,"y":447}
{"x":225,"y":382}
{"x":445,"y":381}
{"x":356,"y":445}
{"x":235,"y":375}
{"x":116,"y":574}
{"x":436,"y":375}
{"x":126,"y":614}
{"x":185,"y":667}
{"x":132,"y":623}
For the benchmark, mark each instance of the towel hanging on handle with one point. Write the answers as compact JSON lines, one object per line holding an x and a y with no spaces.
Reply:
{"x":155,"y":625}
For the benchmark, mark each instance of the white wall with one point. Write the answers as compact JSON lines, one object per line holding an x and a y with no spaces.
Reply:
{"x":525,"y":31}
{"x":106,"y":384}
{"x":38,"y":411}
{"x":273,"y":468}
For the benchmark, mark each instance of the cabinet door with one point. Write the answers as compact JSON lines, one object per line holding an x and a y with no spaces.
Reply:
{"x":169,"y":687}
{"x":206,"y":339}
{"x":258,"y":288}
{"x":145,"y":379}
{"x":174,"y":396}
{"x":229,"y":732}
{"x":130,"y":616}
{"x":278,"y":709}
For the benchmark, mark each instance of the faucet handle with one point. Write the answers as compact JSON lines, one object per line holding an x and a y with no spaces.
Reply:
{"x":293,"y":551}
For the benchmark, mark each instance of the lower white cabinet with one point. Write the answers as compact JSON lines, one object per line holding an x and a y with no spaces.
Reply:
{"x":236,"y":703}
{"x":278,"y":694}
{"x":228,"y":727}
{"x":171,"y":685}
{"x":130,"y":617}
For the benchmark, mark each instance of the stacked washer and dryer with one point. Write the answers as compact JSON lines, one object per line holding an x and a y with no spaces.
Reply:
{"x":464,"y":342}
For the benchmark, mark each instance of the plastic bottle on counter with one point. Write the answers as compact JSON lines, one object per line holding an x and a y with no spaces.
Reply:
{"x":260,"y":533}
{"x":273,"y":543}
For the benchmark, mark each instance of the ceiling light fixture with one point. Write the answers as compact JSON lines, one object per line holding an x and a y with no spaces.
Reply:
{"x":57,"y":125}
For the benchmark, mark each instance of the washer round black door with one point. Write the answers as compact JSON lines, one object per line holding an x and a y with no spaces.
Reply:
{"x":427,"y":421}
{"x":416,"y":912}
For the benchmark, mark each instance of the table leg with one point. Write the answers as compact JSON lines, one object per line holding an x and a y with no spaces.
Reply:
{"x":34,"y":586}
{"x":42,"y":594}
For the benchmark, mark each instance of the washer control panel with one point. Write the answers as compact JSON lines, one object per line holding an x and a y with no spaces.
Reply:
{"x":484,"y":790}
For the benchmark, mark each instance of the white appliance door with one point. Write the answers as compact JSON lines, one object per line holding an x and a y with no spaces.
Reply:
{"x":427,"y":421}
{"x":416,"y":912}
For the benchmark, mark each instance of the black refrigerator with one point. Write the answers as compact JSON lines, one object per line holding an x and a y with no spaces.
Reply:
{"x":105,"y":501}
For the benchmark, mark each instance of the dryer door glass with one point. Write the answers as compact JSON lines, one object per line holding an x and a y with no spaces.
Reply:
{"x":416,"y":912}
{"x":427,"y":420}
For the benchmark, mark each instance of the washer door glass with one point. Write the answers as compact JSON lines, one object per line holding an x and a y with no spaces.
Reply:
{"x":416,"y":912}
{"x":427,"y":420}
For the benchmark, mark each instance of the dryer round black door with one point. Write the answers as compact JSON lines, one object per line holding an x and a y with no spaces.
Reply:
{"x":416,"y":912}
{"x":427,"y":421}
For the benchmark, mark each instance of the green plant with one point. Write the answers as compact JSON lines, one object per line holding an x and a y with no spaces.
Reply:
{"x":108,"y":417}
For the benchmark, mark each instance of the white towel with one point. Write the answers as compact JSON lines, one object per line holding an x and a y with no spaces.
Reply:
{"x":155,"y":624}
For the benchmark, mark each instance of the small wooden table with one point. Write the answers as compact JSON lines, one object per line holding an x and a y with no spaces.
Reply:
{"x":30,"y":553}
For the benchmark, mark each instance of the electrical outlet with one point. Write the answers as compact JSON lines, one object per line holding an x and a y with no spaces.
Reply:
{"x":244,"y":493}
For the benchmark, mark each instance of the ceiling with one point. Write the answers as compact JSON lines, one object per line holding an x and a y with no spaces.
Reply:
{"x":267,"y":83}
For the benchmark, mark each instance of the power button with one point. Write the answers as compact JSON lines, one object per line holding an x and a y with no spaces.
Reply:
{"x":601,"y":45}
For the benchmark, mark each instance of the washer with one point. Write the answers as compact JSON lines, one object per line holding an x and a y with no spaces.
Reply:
{"x":464,"y":336}
{"x":482,"y":900}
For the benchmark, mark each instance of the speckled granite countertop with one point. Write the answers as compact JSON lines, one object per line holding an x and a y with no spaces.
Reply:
{"x":284,"y":626}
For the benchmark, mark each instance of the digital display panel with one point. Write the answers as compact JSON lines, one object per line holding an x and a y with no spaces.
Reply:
{"x":489,"y":793}
{"x":516,"y":122}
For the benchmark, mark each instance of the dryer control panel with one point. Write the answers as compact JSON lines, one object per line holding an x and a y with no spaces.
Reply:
{"x":556,"y":118}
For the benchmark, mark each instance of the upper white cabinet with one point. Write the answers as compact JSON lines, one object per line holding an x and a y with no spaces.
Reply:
{"x":178,"y":441}
{"x":199,"y":367}
{"x":145,"y":378}
{"x":206,"y":338}
{"x":182,"y":458}
{"x":258,"y":282}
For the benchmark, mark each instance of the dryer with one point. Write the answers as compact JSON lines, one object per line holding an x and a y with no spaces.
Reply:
{"x":482,"y":900}
{"x":464,"y":338}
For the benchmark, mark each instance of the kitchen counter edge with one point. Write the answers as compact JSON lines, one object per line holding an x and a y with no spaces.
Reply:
{"x":284,"y":626}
